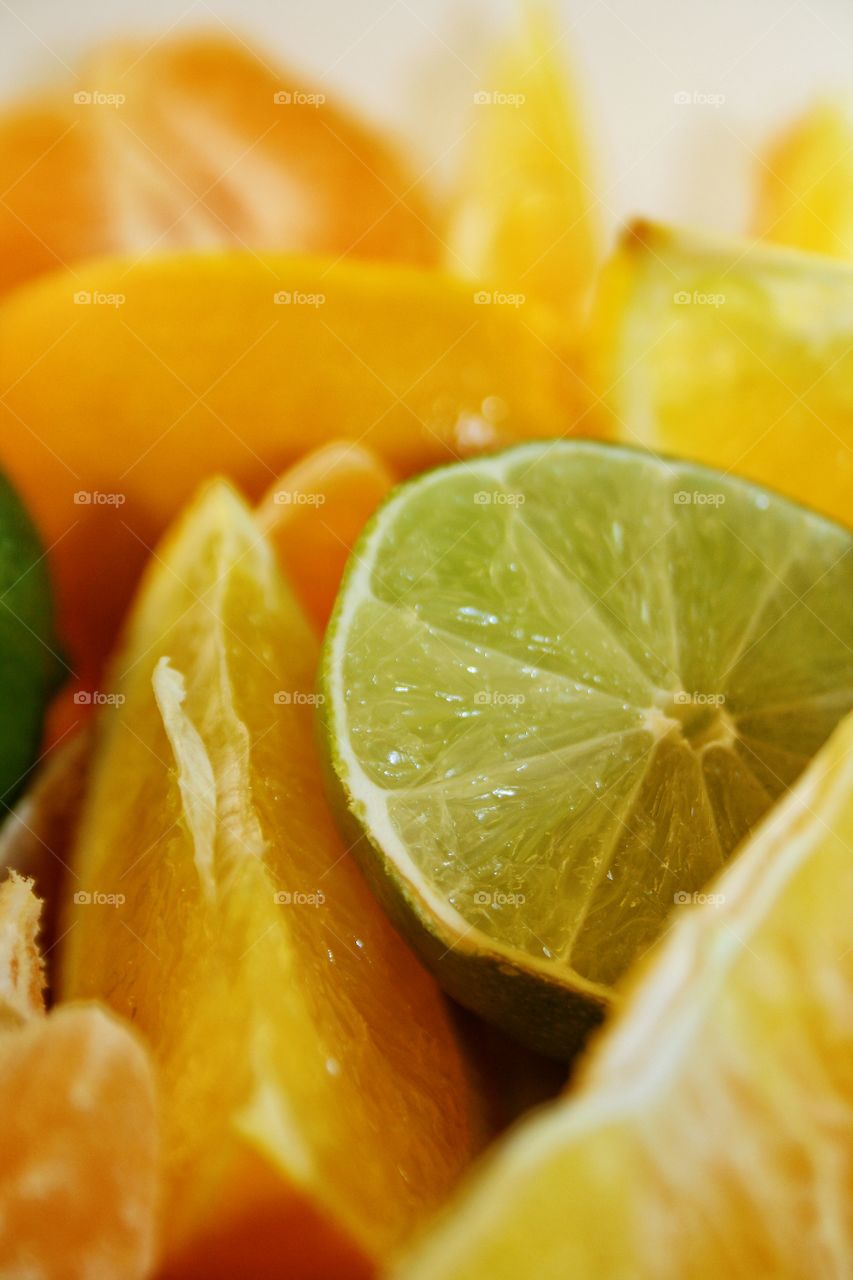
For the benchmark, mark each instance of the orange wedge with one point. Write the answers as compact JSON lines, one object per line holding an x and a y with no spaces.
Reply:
{"x":317,"y":1107}
{"x":805,"y":195}
{"x":197,"y":142}
{"x":712,"y":1127}
{"x":313,"y":514}
{"x":525,"y":218}
{"x":78,"y":1143}
{"x":115,"y":407}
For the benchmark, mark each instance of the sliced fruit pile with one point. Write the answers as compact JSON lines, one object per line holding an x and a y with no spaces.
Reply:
{"x":543,"y":757}
{"x":711,"y":1130}
{"x":577,"y":737}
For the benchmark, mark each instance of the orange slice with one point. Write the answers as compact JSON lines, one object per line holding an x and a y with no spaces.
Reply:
{"x":711,"y":1131}
{"x":317,"y":1107}
{"x":113,"y":410}
{"x":313,"y":514}
{"x":198,"y":142}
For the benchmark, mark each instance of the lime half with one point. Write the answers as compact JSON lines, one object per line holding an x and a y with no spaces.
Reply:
{"x":561,"y":684}
{"x":29,"y":662}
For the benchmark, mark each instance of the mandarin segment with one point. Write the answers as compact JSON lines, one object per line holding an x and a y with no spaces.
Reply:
{"x":310,"y":1073}
{"x":313,"y":514}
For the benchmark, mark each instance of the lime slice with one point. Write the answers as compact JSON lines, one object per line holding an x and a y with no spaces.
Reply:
{"x":29,"y":662}
{"x":561,"y":684}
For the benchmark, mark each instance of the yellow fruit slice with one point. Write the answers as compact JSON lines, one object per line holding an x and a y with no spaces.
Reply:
{"x":78,"y":1142}
{"x":198,"y":142}
{"x":316,"y":1103}
{"x":711,"y":1132}
{"x":113,"y":410}
{"x":313,"y":514}
{"x":735,"y":355}
{"x":805,"y":194}
{"x":525,"y":215}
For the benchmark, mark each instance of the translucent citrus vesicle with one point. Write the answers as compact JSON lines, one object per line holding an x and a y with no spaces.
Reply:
{"x":712,"y":1128}
{"x":733,"y":354}
{"x":313,"y":514}
{"x":524,"y":218}
{"x":79,"y":1170}
{"x":197,"y":142}
{"x":805,"y":193}
{"x":311,"y":1081}
{"x":114,"y":410}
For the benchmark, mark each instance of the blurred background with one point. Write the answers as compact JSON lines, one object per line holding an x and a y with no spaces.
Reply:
{"x":740,"y":69}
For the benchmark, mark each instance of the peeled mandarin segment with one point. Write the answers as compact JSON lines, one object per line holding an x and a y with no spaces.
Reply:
{"x":738,"y":356}
{"x":214,"y":146}
{"x":182,"y":144}
{"x":113,"y":413}
{"x":310,"y":1075}
{"x":525,"y":219}
{"x":711,"y":1131}
{"x":313,"y":514}
{"x":78,"y":1149}
{"x":805,"y":196}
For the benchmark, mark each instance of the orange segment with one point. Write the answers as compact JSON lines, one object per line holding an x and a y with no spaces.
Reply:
{"x":805,"y":195}
{"x":78,"y":1143}
{"x":313,"y":514}
{"x":181,"y":143}
{"x":112,"y":414}
{"x":311,"y":1079}
{"x":525,"y":219}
